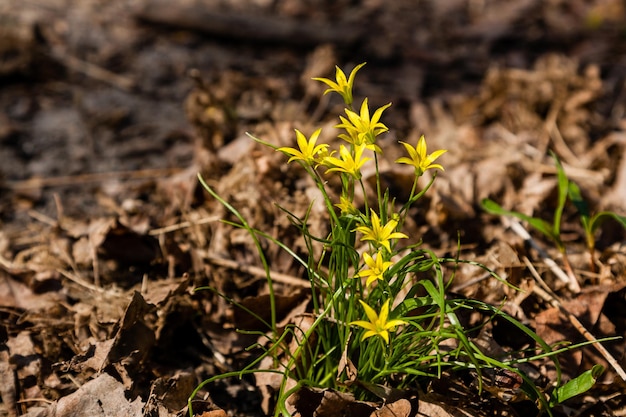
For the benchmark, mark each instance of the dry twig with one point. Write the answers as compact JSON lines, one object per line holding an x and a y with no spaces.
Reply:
{"x":548,"y":295}
{"x":570,"y":278}
{"x":259,"y":272}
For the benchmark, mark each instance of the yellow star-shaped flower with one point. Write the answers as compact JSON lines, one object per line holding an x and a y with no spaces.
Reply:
{"x":343,"y":86}
{"x":361,"y":128}
{"x":377,"y":324}
{"x":346,"y":207}
{"x":380,"y":235}
{"x":308,"y":151}
{"x":347,"y":163}
{"x":419,"y":158}
{"x":377,"y":267}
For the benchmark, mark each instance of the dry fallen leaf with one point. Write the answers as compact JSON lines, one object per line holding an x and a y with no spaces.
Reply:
{"x":428,"y":409}
{"x":103,"y":396}
{"x":400,"y":408}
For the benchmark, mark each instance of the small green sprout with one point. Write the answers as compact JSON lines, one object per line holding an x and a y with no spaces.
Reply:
{"x":591,"y":223}
{"x":576,"y":386}
{"x":566,"y":188}
{"x":550,"y":230}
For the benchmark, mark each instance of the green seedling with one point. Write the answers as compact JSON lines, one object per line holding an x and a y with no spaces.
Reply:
{"x":576,"y":386}
{"x":591,"y":223}
{"x":550,"y":230}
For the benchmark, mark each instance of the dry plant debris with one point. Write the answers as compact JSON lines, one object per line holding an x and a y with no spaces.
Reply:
{"x":105,"y":234}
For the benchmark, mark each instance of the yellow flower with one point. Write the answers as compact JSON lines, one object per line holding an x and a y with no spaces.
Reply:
{"x":376,"y":267}
{"x":418,"y":157}
{"x":380,"y":235}
{"x":348,"y":164}
{"x":361,"y":128}
{"x":377,"y":324}
{"x":345,"y":205}
{"x":342,"y":86}
{"x":308,"y":150}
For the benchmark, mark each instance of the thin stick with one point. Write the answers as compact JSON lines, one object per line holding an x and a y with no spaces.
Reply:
{"x":80,"y":281}
{"x":11,"y":268}
{"x":42,"y":218}
{"x":545,"y":293}
{"x":183,"y":225}
{"x":92,"y":70}
{"x":259,"y":272}
{"x":570,"y":279}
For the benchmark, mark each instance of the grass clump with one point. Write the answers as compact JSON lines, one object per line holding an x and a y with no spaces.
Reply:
{"x":382,"y":314}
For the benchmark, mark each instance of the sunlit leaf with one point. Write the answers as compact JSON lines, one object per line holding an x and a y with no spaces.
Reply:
{"x":582,"y":383}
{"x":563,"y":190}
{"x":540,"y":225}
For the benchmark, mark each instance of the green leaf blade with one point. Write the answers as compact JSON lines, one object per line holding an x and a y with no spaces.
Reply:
{"x":563,"y":187}
{"x":582,"y":383}
{"x":540,"y":225}
{"x":598,"y":219}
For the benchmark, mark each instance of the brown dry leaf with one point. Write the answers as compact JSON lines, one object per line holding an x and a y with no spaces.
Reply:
{"x":330,"y":403}
{"x":82,"y":252}
{"x":116,"y":241}
{"x":346,"y":365}
{"x":319,"y":63}
{"x":309,"y":402}
{"x":429,"y":409}
{"x":588,"y":304}
{"x":534,"y":193}
{"x":169,"y":395}
{"x":236,"y":149}
{"x":8,"y":391}
{"x":159,"y":292}
{"x":99,"y":229}
{"x":615,"y":196}
{"x":268,"y":384}
{"x":134,"y":337}
{"x":491,"y":173}
{"x":97,"y":357}
{"x":101,"y":397}
{"x":399,"y":408}
{"x":286,"y":308}
{"x":14,"y":294}
{"x":129,"y":346}
{"x":26,"y":363}
{"x":214,"y":413}
{"x":552,"y":326}
{"x":592,"y":307}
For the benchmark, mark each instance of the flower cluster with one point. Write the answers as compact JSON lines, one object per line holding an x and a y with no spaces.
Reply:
{"x":379,"y":230}
{"x":381,"y":312}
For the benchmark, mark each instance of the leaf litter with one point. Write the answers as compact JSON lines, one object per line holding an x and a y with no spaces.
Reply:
{"x":106,"y":234}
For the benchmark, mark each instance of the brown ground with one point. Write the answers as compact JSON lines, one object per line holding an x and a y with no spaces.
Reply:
{"x":104,"y":232}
